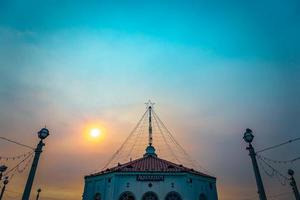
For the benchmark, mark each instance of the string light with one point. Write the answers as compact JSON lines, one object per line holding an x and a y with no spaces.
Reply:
{"x":134,"y":145}
{"x":280,"y":161}
{"x":119,"y":150}
{"x":185,"y":155}
{"x":282,"y":178}
{"x":270,"y":174}
{"x":4,"y":158}
{"x":18,"y":164}
{"x":25,"y":166}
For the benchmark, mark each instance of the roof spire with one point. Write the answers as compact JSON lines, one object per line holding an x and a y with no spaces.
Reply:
{"x":149,"y":107}
{"x":150,"y":150}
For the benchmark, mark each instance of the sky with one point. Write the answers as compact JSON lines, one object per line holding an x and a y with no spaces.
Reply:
{"x":213,"y":68}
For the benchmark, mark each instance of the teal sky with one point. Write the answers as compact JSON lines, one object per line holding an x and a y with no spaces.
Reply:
{"x":213,"y":68}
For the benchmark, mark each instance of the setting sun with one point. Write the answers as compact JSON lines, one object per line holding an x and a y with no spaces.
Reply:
{"x":95,"y":132}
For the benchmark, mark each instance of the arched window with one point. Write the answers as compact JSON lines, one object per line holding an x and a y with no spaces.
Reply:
{"x":173,"y":196}
{"x":150,"y":196}
{"x":97,"y":196}
{"x":126,"y":196}
{"x":202,"y":197}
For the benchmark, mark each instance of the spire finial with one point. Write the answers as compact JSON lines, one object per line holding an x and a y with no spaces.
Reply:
{"x":149,"y":104}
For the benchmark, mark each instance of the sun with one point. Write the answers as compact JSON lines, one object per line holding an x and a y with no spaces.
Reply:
{"x":95,"y":132}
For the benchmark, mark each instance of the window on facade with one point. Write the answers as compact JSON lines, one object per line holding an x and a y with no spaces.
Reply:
{"x":127,"y":196}
{"x":97,"y":196}
{"x":173,"y":196}
{"x":150,"y":196}
{"x":202,"y":197}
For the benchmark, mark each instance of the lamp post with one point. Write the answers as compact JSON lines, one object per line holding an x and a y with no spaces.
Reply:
{"x":293,"y":184}
{"x":4,"y":186}
{"x":43,"y":133}
{"x":248,"y":137}
{"x":3,"y":168}
{"x":38,"y":194}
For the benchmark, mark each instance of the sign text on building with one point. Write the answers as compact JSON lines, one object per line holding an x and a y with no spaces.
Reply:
{"x":150,"y":178}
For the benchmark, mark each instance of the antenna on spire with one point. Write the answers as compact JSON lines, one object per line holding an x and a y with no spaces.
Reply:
{"x":149,"y":105}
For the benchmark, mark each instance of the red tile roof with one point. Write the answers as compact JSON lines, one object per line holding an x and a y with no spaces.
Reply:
{"x":150,"y":164}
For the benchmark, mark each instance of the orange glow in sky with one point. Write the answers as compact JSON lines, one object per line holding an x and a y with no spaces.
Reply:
{"x":94,"y":132}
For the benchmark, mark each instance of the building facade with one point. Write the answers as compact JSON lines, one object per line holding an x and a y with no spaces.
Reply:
{"x":150,"y":178}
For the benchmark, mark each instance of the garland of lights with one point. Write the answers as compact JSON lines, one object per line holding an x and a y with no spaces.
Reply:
{"x":281,"y":178}
{"x":291,"y":161}
{"x":5,"y":158}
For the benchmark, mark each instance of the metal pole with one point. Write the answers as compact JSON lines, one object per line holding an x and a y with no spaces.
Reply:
{"x":2,"y":192}
{"x":150,"y":126}
{"x":259,"y":183}
{"x":38,"y":151}
{"x":3,"y":188}
{"x":294,"y":184}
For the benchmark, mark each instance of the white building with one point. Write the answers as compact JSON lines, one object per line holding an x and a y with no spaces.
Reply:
{"x":150,"y":178}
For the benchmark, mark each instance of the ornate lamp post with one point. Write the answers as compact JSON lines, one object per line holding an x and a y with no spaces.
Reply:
{"x":38,"y":194}
{"x":248,"y":137}
{"x":293,"y":184}
{"x":3,"y":168}
{"x":4,"y":186}
{"x":43,"y":133}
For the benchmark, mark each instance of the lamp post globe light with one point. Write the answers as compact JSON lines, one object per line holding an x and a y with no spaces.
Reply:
{"x":42,"y":134}
{"x":294,"y":184}
{"x":38,"y":193}
{"x":5,"y":182}
{"x":248,"y":137}
{"x":291,"y":172}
